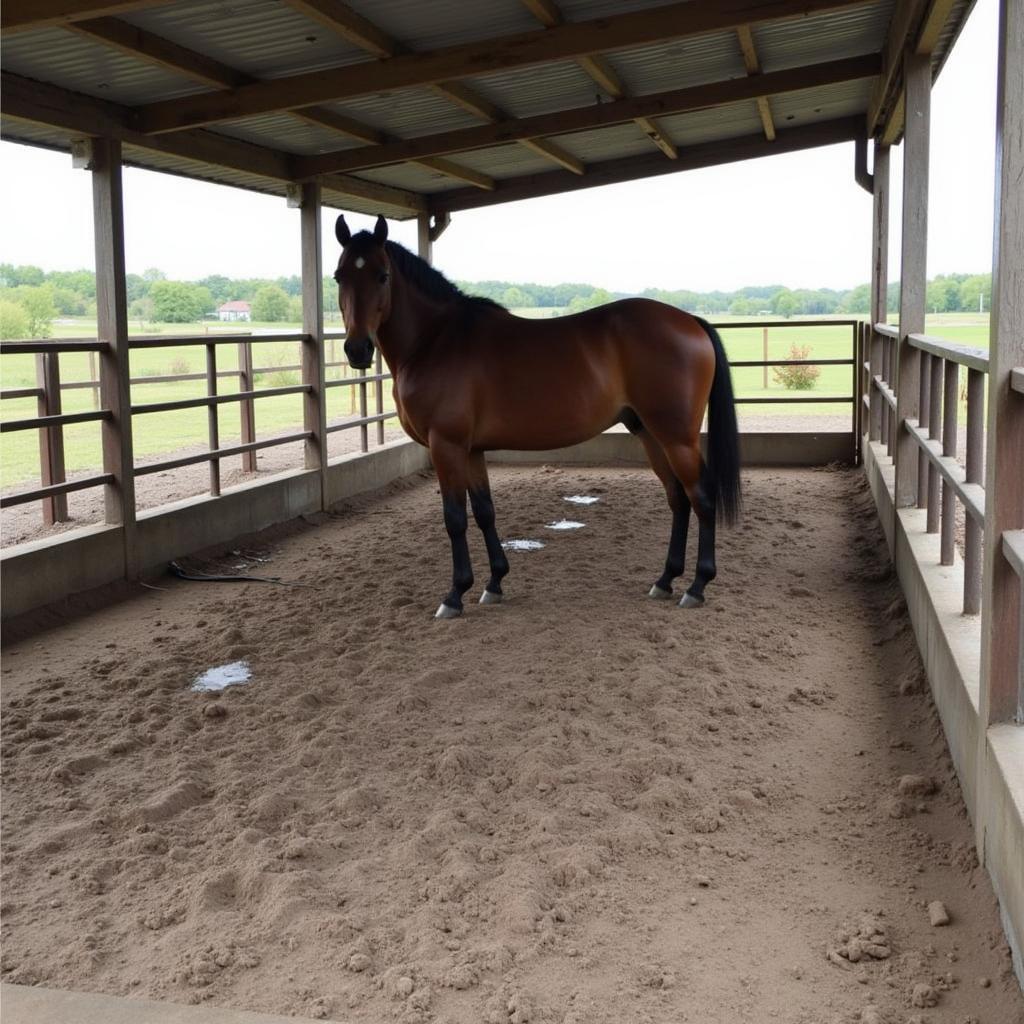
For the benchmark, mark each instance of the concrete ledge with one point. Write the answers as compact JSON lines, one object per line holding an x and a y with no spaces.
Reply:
{"x":618,"y":445}
{"x":1002,"y":778}
{"x":42,"y":571}
{"x":26,"y":1005}
{"x":171,"y":531}
{"x":358,"y":473}
{"x":990,"y":767}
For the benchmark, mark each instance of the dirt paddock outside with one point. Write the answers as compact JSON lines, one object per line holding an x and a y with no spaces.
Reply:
{"x":577,"y":806}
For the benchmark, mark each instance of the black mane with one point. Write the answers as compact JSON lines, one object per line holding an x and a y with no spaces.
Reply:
{"x":431,"y":282}
{"x":423,"y":277}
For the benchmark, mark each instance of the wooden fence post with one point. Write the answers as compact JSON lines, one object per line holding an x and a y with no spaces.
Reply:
{"x":313,"y":370}
{"x":1002,"y":685}
{"x":112,"y":328}
{"x":247,"y":407}
{"x":917,"y":77}
{"x":51,"y":439}
{"x":879,"y":283}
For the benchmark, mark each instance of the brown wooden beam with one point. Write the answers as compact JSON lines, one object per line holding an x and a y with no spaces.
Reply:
{"x":24,"y":15}
{"x":38,"y":102}
{"x":934,"y":23}
{"x":604,"y":75}
{"x":709,"y":154}
{"x":637,"y":28}
{"x":905,"y":18}
{"x":753,"y":65}
{"x":675,"y":101}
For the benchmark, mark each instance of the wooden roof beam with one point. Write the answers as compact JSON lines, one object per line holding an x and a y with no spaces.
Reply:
{"x":563,"y":122}
{"x":563,"y":42}
{"x":363,"y":33}
{"x":39,"y":102}
{"x":600,"y":71}
{"x":25,"y":15}
{"x":143,"y":45}
{"x":753,"y":66}
{"x":608,"y":172}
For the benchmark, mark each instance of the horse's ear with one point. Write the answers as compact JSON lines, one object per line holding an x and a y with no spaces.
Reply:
{"x":342,"y":231}
{"x":380,"y":229}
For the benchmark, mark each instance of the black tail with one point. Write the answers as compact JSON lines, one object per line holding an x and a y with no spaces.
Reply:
{"x":723,"y":434}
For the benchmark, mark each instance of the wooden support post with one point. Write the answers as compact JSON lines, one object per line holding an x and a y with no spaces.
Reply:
{"x":974,"y":473}
{"x":1002,"y":659}
{"x":950,"y":411}
{"x":924,"y":405}
{"x":378,"y":388}
{"x":51,"y":439}
{"x":314,"y":401}
{"x":934,"y":432}
{"x":764,"y":356}
{"x":112,"y":328}
{"x":247,"y":408}
{"x":917,"y":77}
{"x":424,"y":243}
{"x":879,"y":283}
{"x":213,"y":425}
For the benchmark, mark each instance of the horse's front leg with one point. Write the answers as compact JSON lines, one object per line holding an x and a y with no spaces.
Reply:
{"x":451,"y":464}
{"x":483,"y":513}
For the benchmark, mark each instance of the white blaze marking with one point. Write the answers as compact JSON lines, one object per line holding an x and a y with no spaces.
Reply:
{"x":360,"y":263}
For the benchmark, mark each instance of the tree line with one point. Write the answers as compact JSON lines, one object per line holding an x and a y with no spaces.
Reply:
{"x":31,"y":298}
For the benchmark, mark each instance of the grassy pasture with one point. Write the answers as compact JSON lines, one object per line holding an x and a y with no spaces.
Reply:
{"x":158,"y":434}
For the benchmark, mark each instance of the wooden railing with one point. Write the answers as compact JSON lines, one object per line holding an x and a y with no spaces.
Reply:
{"x":50,"y":421}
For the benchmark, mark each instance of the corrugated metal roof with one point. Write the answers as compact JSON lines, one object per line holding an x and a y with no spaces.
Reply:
{"x":268,"y":39}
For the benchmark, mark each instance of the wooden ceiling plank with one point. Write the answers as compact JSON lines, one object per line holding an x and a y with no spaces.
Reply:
{"x":457,"y":171}
{"x":342,"y":20}
{"x":557,"y":154}
{"x":143,"y":45}
{"x":470,"y":100}
{"x":657,"y":135}
{"x":608,"y":172}
{"x":342,"y":124}
{"x":26,"y":15}
{"x":569,"y":41}
{"x":934,"y":24}
{"x":752,"y":63}
{"x":564,"y":122}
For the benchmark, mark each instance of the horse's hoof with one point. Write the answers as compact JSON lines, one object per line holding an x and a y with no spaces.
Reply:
{"x":446,"y":611}
{"x":658,"y":594}
{"x":489,"y":597}
{"x":689,"y":601}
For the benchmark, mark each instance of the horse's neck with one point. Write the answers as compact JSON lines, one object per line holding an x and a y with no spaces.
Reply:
{"x":414,"y":321}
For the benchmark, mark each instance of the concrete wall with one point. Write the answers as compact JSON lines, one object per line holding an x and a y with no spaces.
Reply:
{"x":989,"y":765}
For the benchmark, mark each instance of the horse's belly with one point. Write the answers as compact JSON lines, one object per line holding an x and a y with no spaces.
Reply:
{"x":529,"y":423}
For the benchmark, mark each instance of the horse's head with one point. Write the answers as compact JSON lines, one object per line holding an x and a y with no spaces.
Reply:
{"x":364,"y":288}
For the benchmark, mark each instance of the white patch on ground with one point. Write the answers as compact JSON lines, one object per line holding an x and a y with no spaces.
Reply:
{"x":565,"y":524}
{"x":235,"y":673}
{"x":582,"y":499}
{"x":522,"y":545}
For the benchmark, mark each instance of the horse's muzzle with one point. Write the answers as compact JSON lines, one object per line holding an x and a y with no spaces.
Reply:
{"x":359,"y":352}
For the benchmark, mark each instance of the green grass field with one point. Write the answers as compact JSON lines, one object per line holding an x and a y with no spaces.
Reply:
{"x":157,"y":434}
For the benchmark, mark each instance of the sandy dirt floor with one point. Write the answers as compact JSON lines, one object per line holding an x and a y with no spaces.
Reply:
{"x":578,"y":806}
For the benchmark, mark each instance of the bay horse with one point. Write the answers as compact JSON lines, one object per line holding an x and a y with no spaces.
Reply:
{"x":470,"y":377}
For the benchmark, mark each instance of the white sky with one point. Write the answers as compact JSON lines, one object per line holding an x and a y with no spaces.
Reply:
{"x":797,"y":219}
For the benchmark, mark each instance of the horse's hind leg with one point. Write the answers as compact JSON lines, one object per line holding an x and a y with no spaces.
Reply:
{"x":689,"y":468}
{"x":451,"y":466}
{"x":483,"y":513}
{"x":675,"y":561}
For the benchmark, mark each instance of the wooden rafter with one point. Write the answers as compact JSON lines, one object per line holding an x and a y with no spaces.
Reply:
{"x":564,"y":122}
{"x":24,"y":15}
{"x":358,"y":30}
{"x":637,"y":28}
{"x":753,"y":66}
{"x":41,"y":103}
{"x":708,"y":154}
{"x":144,"y":45}
{"x":906,"y":17}
{"x":600,"y":71}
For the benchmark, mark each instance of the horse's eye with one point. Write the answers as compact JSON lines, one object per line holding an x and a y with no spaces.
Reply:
{"x":383,"y":278}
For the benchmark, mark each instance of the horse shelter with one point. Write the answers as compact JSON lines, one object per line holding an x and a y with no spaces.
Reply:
{"x":570,"y":828}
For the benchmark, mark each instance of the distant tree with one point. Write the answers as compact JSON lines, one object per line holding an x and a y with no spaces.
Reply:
{"x":295,"y":310}
{"x":858,"y":300}
{"x":942,"y":295}
{"x":783,"y":303}
{"x":270,"y":304}
{"x":39,"y":310}
{"x":290,"y":285}
{"x":179,"y":302}
{"x":976,"y":293}
{"x":221,"y":288}
{"x":142,"y":309}
{"x":743,"y":307}
{"x":68,"y":303}
{"x":516,"y":298}
{"x":153,"y":274}
{"x":13,"y":321}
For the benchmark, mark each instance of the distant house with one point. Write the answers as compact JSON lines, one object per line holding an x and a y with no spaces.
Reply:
{"x":235,"y":311}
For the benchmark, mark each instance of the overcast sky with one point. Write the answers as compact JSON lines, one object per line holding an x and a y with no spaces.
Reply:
{"x":797,"y":219}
